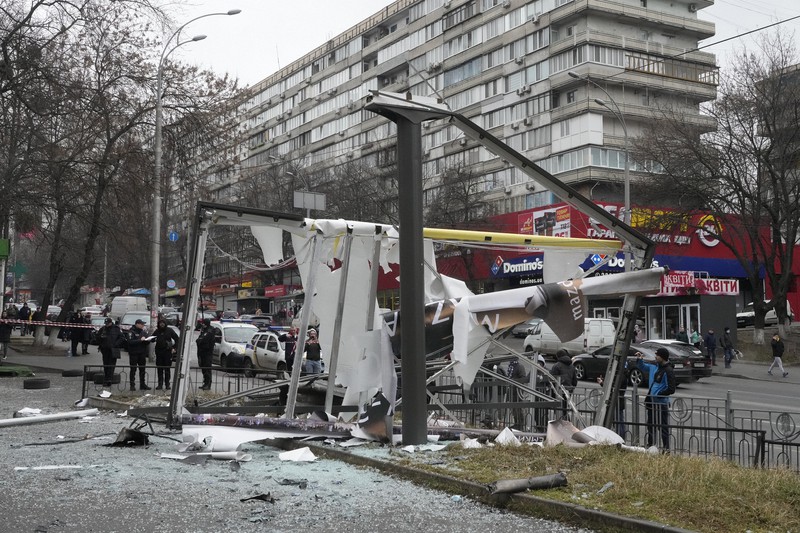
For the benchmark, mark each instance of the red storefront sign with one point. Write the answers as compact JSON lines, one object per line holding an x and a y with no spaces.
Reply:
{"x":273,"y":291}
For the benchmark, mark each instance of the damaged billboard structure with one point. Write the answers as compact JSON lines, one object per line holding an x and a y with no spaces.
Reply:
{"x":440,"y":318}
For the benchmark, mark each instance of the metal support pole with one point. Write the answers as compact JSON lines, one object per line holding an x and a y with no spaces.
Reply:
{"x":412,"y":297}
{"x":194,"y":280}
{"x":337,"y":324}
{"x":310,"y":288}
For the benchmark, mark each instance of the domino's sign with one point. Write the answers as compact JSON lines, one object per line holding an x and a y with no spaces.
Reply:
{"x":530,"y":267}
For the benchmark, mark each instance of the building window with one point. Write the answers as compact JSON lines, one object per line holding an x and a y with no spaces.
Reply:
{"x":643,"y":2}
{"x":571,"y":97}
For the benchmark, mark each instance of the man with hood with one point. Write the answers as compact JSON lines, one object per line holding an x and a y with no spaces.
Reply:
{"x":564,"y":372}
{"x":166,"y":340}
{"x":661,"y":378}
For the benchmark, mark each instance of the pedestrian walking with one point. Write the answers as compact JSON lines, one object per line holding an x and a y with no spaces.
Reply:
{"x":86,"y":335}
{"x":682,"y":336}
{"x":661,"y":378}
{"x":111,"y":341}
{"x":5,"y":333}
{"x":777,"y":355}
{"x":205,"y":349}
{"x":710,"y":341}
{"x":166,"y":340}
{"x":137,"y":352}
{"x":727,"y":347}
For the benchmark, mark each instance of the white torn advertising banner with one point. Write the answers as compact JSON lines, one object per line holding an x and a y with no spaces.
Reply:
{"x":105,"y":394}
{"x":54,"y":467}
{"x":47,"y":418}
{"x":507,"y":438}
{"x":222,"y":456}
{"x":298,"y":455}
{"x":27,"y":411}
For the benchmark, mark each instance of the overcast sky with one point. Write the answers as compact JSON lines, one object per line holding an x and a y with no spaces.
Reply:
{"x":270,"y":34}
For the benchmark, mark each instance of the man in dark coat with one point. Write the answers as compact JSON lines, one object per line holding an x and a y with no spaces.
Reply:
{"x":205,"y":349}
{"x":166,"y":341}
{"x":5,"y":333}
{"x":111,"y":342}
{"x":564,"y":371}
{"x":289,"y":341}
{"x":137,"y":351}
{"x":75,"y":332}
{"x":710,"y":341}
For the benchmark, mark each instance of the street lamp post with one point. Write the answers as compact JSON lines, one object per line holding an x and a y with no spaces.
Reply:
{"x":157,"y":186}
{"x":617,"y":113}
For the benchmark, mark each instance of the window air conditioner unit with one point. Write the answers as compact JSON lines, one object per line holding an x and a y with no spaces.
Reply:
{"x":333,"y":91}
{"x":288,"y":112}
{"x":446,"y":5}
{"x":349,"y":155}
{"x":462,"y":142}
{"x":519,"y":60}
{"x":337,"y":112}
{"x":507,"y":4}
{"x":508,"y":190}
{"x":692,"y":8}
{"x":515,"y":125}
{"x":341,"y":134}
{"x":521,"y":91}
{"x":528,"y":121}
{"x":534,"y":19}
{"x":426,"y":125}
{"x":351,"y":105}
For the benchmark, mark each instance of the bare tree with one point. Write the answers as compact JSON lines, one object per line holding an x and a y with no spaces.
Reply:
{"x":744,"y":174}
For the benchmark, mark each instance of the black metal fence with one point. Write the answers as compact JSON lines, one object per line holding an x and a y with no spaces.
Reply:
{"x":699,"y":427}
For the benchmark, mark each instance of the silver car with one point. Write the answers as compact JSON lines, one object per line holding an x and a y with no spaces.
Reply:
{"x":264,"y":352}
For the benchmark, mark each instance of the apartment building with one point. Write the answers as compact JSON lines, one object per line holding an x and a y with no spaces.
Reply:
{"x":562,"y":81}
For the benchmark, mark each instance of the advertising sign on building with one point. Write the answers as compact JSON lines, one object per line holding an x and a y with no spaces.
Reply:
{"x":529,"y":269}
{"x":273,"y":291}
{"x":686,"y":283}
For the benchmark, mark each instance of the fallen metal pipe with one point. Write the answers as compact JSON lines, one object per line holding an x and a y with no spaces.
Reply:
{"x":510,"y":486}
{"x":41,"y":419}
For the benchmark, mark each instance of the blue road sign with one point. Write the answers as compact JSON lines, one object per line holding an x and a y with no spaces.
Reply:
{"x":173,"y":236}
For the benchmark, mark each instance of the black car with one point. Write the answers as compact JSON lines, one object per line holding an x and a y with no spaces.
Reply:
{"x":590,"y":366}
{"x":689,"y":362}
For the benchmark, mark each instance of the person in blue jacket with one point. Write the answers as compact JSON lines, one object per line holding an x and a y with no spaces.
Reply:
{"x":661,"y":378}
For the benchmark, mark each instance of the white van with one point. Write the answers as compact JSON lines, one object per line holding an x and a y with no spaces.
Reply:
{"x":126,"y":304}
{"x":597,"y":332}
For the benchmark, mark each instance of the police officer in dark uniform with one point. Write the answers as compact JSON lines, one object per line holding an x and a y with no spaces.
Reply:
{"x":205,"y":348}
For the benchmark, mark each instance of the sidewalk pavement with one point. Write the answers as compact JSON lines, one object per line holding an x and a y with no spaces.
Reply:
{"x":54,"y":360}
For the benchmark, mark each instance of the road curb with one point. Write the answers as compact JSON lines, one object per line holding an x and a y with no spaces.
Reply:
{"x":519,"y":503}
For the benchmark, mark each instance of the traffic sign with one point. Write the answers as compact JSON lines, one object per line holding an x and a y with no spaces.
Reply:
{"x":170,"y":283}
{"x":173,"y":236}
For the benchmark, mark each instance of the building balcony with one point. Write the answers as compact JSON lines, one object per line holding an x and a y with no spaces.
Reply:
{"x":688,"y":24}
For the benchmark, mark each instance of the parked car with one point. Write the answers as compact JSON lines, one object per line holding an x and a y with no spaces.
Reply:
{"x":91,"y":310}
{"x":747,"y":316}
{"x":174,"y":318}
{"x":263,"y":352}
{"x":202,"y":315}
{"x":52,"y":313}
{"x":130,"y":318}
{"x":524,"y":329}
{"x":262,"y":322}
{"x":683,"y":355}
{"x":230,"y":338}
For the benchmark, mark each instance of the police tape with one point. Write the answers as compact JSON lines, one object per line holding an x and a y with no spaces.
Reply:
{"x":51,"y":324}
